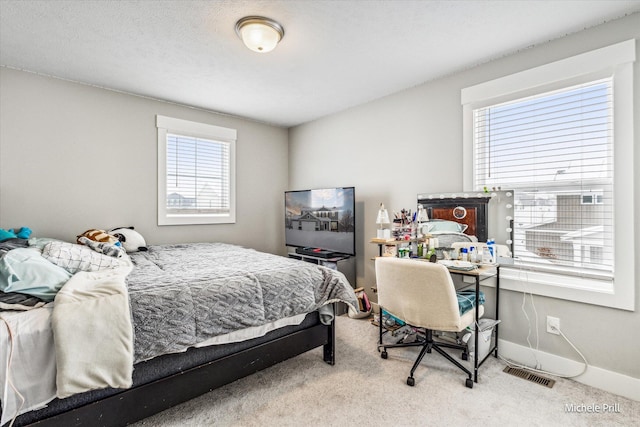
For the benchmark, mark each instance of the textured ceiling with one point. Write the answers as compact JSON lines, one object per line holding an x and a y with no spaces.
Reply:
{"x":335,"y":54}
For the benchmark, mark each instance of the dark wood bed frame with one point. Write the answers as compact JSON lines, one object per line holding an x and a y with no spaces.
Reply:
{"x":140,"y":402}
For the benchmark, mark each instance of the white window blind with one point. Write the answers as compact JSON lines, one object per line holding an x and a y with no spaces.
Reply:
{"x":196,"y":173}
{"x":556,"y":151}
{"x":197,"y":176}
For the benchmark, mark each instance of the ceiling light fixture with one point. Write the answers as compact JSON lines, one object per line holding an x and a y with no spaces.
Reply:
{"x":259,"y":34}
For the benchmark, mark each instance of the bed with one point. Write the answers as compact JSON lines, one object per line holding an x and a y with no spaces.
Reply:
{"x":182,"y":320}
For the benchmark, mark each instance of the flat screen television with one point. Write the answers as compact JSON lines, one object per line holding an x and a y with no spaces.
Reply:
{"x":321,"y":220}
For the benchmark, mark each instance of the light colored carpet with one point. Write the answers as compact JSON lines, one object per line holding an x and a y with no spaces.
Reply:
{"x":363,"y":389}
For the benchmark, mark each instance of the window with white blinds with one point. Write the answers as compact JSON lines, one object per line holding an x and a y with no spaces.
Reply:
{"x":556,"y":151}
{"x":561,"y":136}
{"x":195,"y":173}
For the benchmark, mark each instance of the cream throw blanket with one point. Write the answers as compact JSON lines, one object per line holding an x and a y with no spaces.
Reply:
{"x":93,"y":333}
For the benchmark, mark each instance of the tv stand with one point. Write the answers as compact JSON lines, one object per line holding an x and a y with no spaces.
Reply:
{"x":317,"y":252}
{"x":340,"y":262}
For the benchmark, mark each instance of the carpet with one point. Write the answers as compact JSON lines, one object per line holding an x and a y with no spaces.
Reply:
{"x":363,"y":389}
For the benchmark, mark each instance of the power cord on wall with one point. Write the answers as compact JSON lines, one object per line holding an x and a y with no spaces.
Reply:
{"x":584,"y":369}
{"x":535,"y":356}
{"x":538,"y":365}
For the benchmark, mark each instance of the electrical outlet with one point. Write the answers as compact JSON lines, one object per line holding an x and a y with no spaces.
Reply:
{"x":553,"y":325}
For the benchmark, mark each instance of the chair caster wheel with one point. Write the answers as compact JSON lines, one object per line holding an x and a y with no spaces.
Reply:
{"x":384,"y":355}
{"x":469,"y":383}
{"x":465,"y":356}
{"x":411,"y":381}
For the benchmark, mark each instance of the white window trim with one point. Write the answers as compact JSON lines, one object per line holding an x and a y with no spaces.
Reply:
{"x":617,"y":61}
{"x":167,"y":125}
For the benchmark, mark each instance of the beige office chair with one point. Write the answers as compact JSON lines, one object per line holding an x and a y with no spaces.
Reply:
{"x":421,"y":294}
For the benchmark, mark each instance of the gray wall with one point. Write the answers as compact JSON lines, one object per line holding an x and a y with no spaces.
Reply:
{"x":411,"y":142}
{"x":74,"y":157}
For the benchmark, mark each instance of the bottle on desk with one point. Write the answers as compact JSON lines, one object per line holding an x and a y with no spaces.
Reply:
{"x":491,"y":248}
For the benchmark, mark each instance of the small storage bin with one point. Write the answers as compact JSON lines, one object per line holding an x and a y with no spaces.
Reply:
{"x":484,"y":338}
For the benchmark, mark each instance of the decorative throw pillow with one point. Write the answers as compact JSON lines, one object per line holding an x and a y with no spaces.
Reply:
{"x":74,"y":258}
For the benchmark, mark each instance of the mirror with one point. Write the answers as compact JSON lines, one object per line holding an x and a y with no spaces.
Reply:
{"x":485,"y":215}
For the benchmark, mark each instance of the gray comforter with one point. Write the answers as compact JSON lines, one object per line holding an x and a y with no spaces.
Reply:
{"x":183,"y":294}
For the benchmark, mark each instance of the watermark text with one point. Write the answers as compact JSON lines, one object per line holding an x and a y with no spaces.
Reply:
{"x":594,"y":408}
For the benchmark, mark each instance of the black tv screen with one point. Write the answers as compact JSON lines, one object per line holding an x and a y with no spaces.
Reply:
{"x":321,"y":219}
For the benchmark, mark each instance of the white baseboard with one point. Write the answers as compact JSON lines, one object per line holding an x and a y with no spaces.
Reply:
{"x":610,"y":381}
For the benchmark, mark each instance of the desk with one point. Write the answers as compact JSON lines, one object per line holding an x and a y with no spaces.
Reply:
{"x":482,"y":273}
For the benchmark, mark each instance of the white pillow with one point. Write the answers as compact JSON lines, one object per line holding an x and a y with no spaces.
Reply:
{"x":74,"y":258}
{"x":437,"y":225}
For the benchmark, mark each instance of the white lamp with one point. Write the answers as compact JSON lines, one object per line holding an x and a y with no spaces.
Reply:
{"x":259,"y":34}
{"x":422,"y":217}
{"x":383,"y":219}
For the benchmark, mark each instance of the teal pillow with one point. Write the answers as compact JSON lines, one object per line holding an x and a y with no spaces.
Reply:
{"x":25,"y":270}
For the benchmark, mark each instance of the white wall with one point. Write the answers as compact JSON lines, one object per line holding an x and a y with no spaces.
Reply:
{"x":411,"y":142}
{"x":74,"y":157}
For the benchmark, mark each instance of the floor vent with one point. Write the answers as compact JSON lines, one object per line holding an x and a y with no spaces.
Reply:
{"x":529,"y":376}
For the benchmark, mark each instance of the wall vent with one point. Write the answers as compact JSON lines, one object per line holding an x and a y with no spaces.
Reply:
{"x":530,"y":376}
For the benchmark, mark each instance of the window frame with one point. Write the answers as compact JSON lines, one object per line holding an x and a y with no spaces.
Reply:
{"x":169,"y":125}
{"x":616,"y":61}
